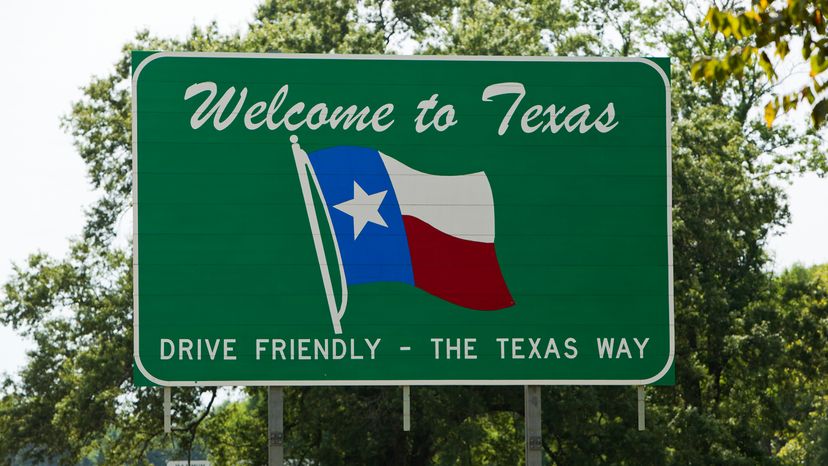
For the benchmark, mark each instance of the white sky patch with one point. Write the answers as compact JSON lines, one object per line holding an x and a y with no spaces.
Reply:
{"x":805,"y":240}
{"x":53,"y":51}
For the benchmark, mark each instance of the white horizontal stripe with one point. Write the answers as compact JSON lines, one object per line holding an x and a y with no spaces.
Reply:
{"x":460,"y":206}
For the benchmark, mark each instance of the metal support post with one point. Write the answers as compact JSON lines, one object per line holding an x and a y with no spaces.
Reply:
{"x":640,"y":390}
{"x":406,"y":408}
{"x":167,"y":410}
{"x":532,"y":415}
{"x":275,"y":426}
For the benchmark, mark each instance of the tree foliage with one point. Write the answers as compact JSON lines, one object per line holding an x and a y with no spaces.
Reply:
{"x":751,"y":357}
{"x":764,"y":35}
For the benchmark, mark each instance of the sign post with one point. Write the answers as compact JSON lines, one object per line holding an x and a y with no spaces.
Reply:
{"x":640,"y":394}
{"x":167,"y":410}
{"x":532,"y":418}
{"x":406,"y":408}
{"x":275,"y":426}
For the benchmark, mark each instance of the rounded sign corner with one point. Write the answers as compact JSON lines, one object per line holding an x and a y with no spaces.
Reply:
{"x":145,"y":372}
{"x":660,"y":71}
{"x":664,"y":370}
{"x":145,"y":62}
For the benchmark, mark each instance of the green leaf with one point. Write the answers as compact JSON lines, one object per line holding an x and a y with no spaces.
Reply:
{"x":819,"y":112}
{"x":767,"y":66}
{"x":789,"y":102}
{"x":818,"y":63}
{"x":712,"y":19}
{"x":770,"y":113}
{"x":735,"y":26}
{"x":782,"y":49}
{"x":819,"y":21}
{"x":807,"y":94}
{"x":697,"y":69}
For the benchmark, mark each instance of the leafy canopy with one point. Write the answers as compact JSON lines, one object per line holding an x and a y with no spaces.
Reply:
{"x":764,"y":34}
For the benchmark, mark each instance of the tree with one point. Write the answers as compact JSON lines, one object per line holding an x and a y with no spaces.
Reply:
{"x":750,"y":365}
{"x":764,"y":34}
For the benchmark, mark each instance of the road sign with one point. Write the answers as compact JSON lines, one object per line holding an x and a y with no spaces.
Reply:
{"x":376,"y":220}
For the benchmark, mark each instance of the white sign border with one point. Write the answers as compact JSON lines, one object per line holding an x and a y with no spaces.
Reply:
{"x":136,"y":74}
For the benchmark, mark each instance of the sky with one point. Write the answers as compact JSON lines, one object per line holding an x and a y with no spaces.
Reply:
{"x":52,"y":49}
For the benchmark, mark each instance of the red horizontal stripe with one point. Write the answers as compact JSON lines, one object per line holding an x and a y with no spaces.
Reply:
{"x":462,"y":272}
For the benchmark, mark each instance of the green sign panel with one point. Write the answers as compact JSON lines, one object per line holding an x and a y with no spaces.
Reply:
{"x":364,"y":220}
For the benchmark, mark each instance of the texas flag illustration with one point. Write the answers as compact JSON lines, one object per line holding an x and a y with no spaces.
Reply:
{"x":392,"y":223}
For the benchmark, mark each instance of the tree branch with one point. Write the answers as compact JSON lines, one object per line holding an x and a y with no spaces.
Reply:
{"x":192,"y":427}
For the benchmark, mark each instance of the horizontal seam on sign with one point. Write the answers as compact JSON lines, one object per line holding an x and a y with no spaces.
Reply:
{"x":310,"y":293}
{"x":499,"y":235}
{"x":487,"y":175}
{"x":370,"y":84}
{"x":407,"y":204}
{"x":270,"y":264}
{"x":237,"y":142}
{"x":398,"y":114}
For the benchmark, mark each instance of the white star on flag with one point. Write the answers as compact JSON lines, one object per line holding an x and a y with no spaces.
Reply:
{"x":363,"y":208}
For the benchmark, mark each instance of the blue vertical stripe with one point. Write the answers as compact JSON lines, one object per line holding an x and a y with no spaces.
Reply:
{"x":378,"y":254}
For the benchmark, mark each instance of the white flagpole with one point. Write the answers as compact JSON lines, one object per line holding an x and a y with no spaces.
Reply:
{"x":303,"y":167}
